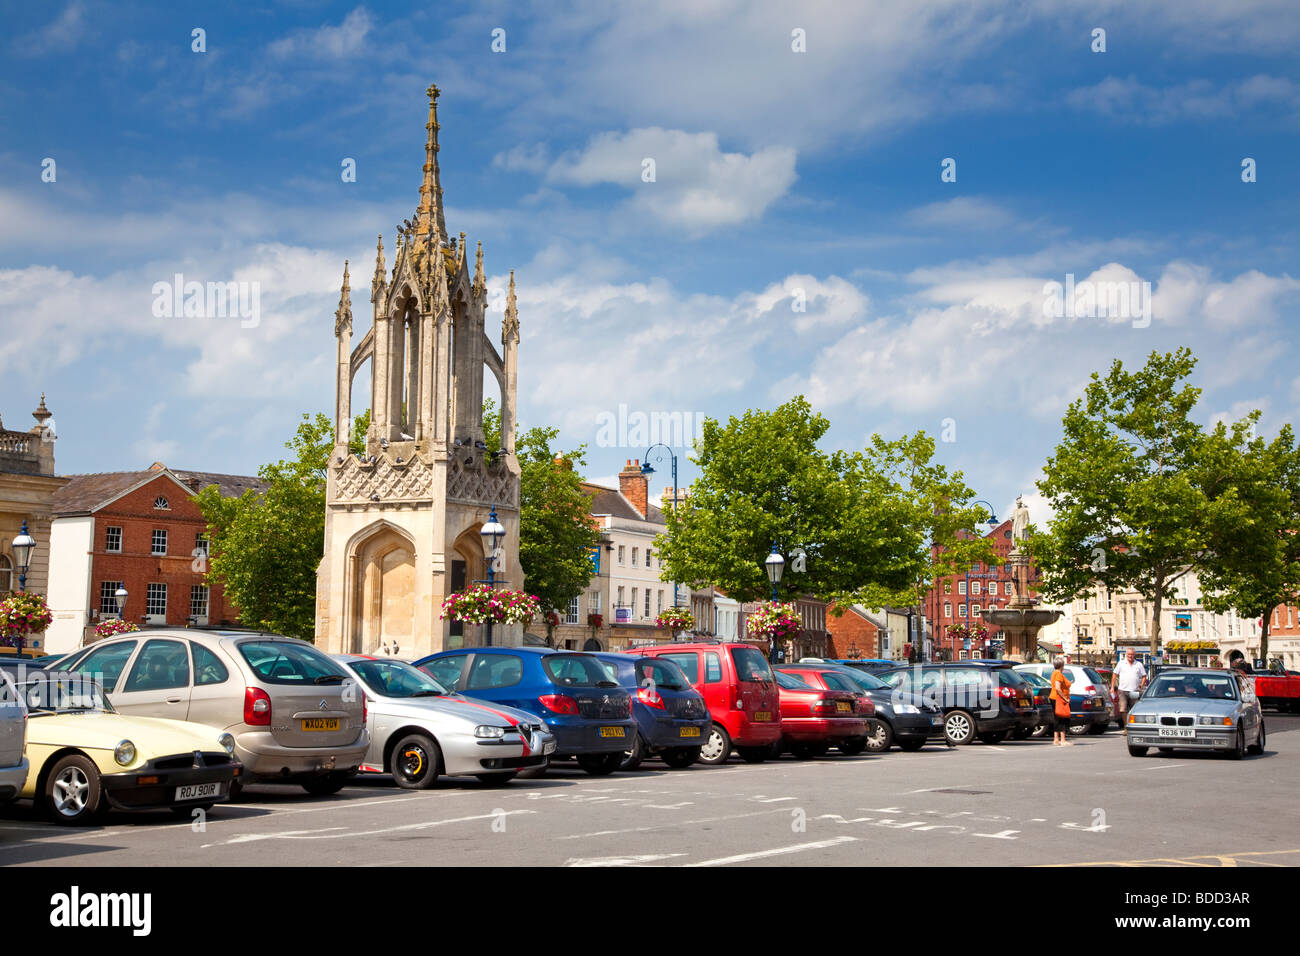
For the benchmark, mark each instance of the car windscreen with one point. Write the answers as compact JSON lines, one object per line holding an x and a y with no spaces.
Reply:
{"x":64,"y":693}
{"x":1034,"y":680}
{"x":397,"y":679}
{"x":863,"y":679}
{"x":576,"y":670}
{"x":1197,"y":686}
{"x":661,"y":673}
{"x":1009,"y":678}
{"x":790,"y":682}
{"x":288,"y":662}
{"x":751,"y":666}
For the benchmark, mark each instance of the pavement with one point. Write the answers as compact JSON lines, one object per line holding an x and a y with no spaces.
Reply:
{"x":1015,"y":803}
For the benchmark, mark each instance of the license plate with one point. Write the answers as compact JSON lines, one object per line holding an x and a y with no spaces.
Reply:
{"x":320,"y":723}
{"x":1177,"y":732}
{"x":549,"y":748}
{"x":763,"y":715}
{"x":611,"y":732}
{"x":936,"y":721}
{"x":690,"y":732}
{"x":197,"y":791}
{"x":843,"y":706}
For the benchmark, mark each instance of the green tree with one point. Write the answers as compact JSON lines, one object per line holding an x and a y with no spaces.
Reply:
{"x":763,"y":479}
{"x":265,"y":546}
{"x":1253,"y":563}
{"x":1132,"y":506}
{"x":938,"y":512}
{"x":556,"y":530}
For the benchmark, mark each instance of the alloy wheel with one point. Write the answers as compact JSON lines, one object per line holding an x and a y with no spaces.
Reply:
{"x":71,"y":789}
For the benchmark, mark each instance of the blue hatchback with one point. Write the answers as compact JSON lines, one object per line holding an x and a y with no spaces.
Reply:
{"x":589,"y":714}
{"x":671,"y":717}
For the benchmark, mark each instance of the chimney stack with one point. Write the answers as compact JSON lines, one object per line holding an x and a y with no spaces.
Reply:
{"x":635,"y":486}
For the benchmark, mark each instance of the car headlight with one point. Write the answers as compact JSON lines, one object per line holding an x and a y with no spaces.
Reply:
{"x":907,"y":709}
{"x":1215,"y":721}
{"x":484,"y":730}
{"x":227,"y":742}
{"x":125,"y":753}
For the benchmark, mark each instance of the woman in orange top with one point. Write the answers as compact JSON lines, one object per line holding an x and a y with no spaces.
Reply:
{"x":1060,"y":698}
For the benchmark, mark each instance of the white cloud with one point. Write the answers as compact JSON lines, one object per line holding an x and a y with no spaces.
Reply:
{"x":60,"y":35}
{"x":697,"y":187}
{"x":523,"y":158}
{"x":328,"y":42}
{"x":1131,"y":100}
{"x":962,"y":212}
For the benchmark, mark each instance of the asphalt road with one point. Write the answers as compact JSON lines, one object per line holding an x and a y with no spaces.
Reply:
{"x":1016,"y":803}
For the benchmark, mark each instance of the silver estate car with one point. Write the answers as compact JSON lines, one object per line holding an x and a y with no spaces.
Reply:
{"x":295,"y":714}
{"x":419,"y":730}
{"x":13,"y":740}
{"x":1197,"y":708}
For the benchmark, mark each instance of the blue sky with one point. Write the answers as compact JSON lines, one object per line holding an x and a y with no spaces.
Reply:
{"x":779,"y":175}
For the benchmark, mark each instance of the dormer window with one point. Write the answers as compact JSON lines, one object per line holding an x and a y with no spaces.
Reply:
{"x":160,"y":504}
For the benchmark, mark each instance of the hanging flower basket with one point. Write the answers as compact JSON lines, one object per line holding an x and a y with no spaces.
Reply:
{"x":22,"y":614}
{"x":774,"y":621}
{"x":553,"y":618}
{"x":971,"y":632}
{"x":595,"y":620}
{"x":114,"y":627}
{"x":676,"y":619}
{"x":479,"y":604}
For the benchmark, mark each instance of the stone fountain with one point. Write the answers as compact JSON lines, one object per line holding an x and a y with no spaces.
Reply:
{"x":1021,"y":619}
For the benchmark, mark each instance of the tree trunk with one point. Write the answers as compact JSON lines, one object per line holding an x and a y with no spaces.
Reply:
{"x":1263,"y":636}
{"x":1155,"y":619}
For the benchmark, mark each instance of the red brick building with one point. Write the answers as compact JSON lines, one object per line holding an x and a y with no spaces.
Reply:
{"x":137,"y":530}
{"x":948,"y":602}
{"x":853,"y":634}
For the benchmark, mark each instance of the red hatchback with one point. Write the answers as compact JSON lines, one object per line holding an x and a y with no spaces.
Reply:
{"x":814,"y":719}
{"x":740,"y":692}
{"x":830,"y":680}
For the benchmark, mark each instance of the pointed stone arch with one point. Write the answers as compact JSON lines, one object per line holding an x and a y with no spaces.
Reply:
{"x":380,"y":588}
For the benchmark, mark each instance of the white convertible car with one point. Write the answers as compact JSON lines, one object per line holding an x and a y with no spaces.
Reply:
{"x":420,"y":731}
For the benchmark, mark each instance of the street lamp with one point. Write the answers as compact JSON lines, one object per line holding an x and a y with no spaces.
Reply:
{"x":647,"y":471}
{"x":492,"y":533}
{"x":120,"y":596}
{"x":775,"y":567}
{"x":992,"y":523}
{"x":23,"y":547}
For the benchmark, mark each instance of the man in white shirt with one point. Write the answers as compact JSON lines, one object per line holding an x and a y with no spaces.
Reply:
{"x":1131,"y":677}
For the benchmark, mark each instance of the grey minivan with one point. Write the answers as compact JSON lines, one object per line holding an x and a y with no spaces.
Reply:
{"x":13,"y":740}
{"x":295,"y":714}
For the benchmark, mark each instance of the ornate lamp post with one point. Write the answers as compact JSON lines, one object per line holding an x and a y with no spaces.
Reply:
{"x":120,"y":597}
{"x":23,"y":546}
{"x":775,"y":567}
{"x":492,"y":533}
{"x":648,"y":471}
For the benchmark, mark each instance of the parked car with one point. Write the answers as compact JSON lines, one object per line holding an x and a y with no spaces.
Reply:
{"x":85,"y":757}
{"x":738,"y":689}
{"x":872,"y":665}
{"x":13,"y":740}
{"x":1042,"y":688}
{"x":900,"y":718}
{"x":1106,"y":675}
{"x":831,"y":677}
{"x":671,"y":717}
{"x":1276,"y":687}
{"x":980,"y":699}
{"x":420,"y":731}
{"x":1091,"y":710}
{"x":589,"y":715}
{"x":1197,"y":708}
{"x":814,"y":719}
{"x":296,"y":715}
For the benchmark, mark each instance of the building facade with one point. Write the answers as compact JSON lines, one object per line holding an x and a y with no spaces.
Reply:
{"x":27,"y":485}
{"x":403,"y":518}
{"x":137,"y":530}
{"x":963,"y":598}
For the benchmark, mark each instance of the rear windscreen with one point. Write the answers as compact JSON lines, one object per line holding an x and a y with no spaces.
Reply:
{"x":575,"y":670}
{"x":689,"y":663}
{"x":282,"y":662}
{"x":751,"y":666}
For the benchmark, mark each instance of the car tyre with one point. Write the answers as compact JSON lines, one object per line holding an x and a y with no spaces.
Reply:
{"x":681,"y":757}
{"x":754,"y":754}
{"x":1079,"y":730}
{"x":416,"y":762}
{"x":881,"y":738}
{"x":1257,"y":747}
{"x":803,"y":751}
{"x":600,"y":765}
{"x":911,"y":744}
{"x":236,"y":790}
{"x":632,"y":758}
{"x":853,"y":746}
{"x":1098,"y":729}
{"x":327,"y":784}
{"x":717,"y":748}
{"x":72,"y":791}
{"x":959,"y":728}
{"x":1137,"y":751}
{"x":1239,"y":750}
{"x":496,"y":779}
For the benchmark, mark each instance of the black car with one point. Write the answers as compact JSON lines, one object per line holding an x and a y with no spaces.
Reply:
{"x":901,"y":718}
{"x":980,"y":699}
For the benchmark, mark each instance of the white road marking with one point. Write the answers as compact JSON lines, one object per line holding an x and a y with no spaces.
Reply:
{"x":621,"y":860}
{"x":329,"y":833}
{"x":779,"y":851}
{"x":759,"y":798}
{"x":662,"y":826}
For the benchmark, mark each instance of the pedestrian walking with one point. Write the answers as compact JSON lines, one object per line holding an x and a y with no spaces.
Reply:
{"x":1130,"y":677}
{"x":1060,"y":697}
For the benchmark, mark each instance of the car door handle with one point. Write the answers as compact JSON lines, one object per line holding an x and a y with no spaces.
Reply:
{"x":173,"y":700}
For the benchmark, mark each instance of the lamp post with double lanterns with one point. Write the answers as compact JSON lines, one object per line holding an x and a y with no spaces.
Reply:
{"x":648,"y":471}
{"x":492,"y":533}
{"x":775,"y":567}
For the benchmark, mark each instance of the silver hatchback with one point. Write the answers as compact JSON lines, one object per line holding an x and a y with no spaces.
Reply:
{"x":296,"y":715}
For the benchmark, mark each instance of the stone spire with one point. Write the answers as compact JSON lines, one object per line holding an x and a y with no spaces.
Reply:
{"x":480,"y":280}
{"x":42,"y":414}
{"x":429,"y":215}
{"x":343,"y":315}
{"x":441,"y":297}
{"x":510,"y":325}
{"x":378,"y":283}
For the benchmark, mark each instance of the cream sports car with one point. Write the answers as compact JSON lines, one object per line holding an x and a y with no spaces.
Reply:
{"x":85,"y":757}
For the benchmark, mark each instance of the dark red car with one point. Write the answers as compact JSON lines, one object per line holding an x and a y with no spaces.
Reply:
{"x":826,"y":678}
{"x":814,"y":719}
